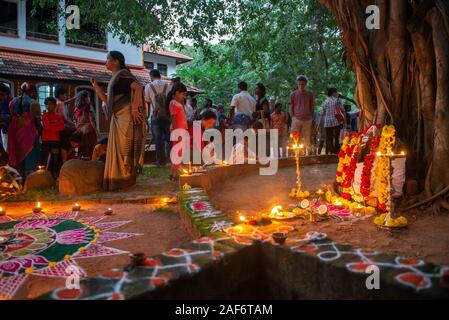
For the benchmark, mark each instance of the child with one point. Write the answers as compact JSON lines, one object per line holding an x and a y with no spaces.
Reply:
{"x":100,"y":150}
{"x":178,"y":121}
{"x":208,"y":120}
{"x":53,"y":124}
{"x":69,"y":150}
{"x":279,"y":122}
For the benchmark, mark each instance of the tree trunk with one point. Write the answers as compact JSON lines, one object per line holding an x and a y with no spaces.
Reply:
{"x":402,"y":73}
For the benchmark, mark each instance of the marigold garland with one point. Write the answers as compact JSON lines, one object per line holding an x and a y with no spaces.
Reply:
{"x":386,"y":145}
{"x":368,"y":163}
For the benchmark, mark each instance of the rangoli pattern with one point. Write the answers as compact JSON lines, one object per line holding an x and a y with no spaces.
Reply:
{"x":49,"y":245}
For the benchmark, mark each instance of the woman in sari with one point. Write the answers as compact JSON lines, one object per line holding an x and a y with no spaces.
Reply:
{"x":126,"y":142}
{"x":24,"y":128}
{"x":85,"y":124}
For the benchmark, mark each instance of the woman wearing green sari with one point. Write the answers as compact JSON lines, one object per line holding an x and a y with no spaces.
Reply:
{"x":126,"y":142}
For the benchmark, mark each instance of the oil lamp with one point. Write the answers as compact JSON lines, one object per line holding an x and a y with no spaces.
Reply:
{"x":37,"y":208}
{"x":2,"y":212}
{"x":76,"y":207}
{"x":108,"y":212}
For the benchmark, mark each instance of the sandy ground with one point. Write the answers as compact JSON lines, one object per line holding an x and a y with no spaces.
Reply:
{"x":161,"y":230}
{"x":427,"y":236}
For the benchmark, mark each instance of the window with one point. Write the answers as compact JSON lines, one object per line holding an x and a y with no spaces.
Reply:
{"x":8,"y":17}
{"x":89,"y":35}
{"x":42,"y":23}
{"x":148,"y":65}
{"x":44,"y":90}
{"x":162,"y":69}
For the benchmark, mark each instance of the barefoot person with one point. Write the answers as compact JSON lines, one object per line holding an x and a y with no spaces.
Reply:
{"x":127,"y":132}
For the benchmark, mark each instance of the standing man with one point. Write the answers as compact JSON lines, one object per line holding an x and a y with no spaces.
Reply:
{"x":302,"y":105}
{"x":156,"y":97}
{"x":243,"y":105}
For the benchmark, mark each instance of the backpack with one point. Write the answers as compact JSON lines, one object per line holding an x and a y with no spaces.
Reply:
{"x":160,"y":103}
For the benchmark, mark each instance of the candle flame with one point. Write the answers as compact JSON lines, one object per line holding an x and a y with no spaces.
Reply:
{"x":38,"y":204}
{"x":1,"y":208}
{"x":242,"y":218}
{"x":276,"y":210}
{"x":378,"y":153}
{"x":402,"y":153}
{"x":110,"y":209}
{"x":165,"y":199}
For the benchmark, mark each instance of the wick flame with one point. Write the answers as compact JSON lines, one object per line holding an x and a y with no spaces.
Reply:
{"x":38,"y":204}
{"x":276,"y":210}
{"x":242,"y":218}
{"x":1,"y":208}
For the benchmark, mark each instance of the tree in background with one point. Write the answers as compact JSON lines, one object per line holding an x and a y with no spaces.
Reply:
{"x":402,"y":69}
{"x":299,"y":37}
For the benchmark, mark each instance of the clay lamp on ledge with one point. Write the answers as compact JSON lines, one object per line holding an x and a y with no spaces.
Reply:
{"x":2,"y":212}
{"x":37,"y":208}
{"x":137,"y":259}
{"x":108,"y":212}
{"x":279,"y":237}
{"x":76,"y":207}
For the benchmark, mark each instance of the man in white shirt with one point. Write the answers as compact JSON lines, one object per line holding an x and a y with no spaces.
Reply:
{"x":243,"y":102}
{"x":160,"y":128}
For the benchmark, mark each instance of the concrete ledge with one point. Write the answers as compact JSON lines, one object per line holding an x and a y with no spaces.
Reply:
{"x":219,"y":174}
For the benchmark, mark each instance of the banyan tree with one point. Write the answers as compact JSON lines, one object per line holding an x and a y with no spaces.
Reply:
{"x":402,"y":72}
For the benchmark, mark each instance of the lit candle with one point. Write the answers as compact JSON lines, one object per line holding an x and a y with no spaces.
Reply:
{"x":242,"y":218}
{"x":108,"y":212}
{"x":2,"y":212}
{"x":76,"y":207}
{"x":38,"y":208}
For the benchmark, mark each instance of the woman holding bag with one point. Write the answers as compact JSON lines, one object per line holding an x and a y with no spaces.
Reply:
{"x":333,"y":114}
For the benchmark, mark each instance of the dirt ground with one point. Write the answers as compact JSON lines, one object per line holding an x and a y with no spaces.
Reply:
{"x":161,"y":230}
{"x":427,"y":237}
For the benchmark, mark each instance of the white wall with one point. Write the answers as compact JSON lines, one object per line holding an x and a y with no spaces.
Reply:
{"x":132,"y":54}
{"x":170,"y":62}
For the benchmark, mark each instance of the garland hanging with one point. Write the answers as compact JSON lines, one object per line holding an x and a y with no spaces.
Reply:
{"x":386,"y":145}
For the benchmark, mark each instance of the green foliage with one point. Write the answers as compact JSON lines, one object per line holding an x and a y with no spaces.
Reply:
{"x":299,"y":37}
{"x":271,"y":41}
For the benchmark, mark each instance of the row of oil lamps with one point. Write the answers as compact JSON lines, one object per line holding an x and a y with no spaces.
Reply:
{"x":77,"y":207}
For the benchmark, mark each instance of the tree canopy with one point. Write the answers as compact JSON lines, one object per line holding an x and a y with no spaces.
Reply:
{"x":299,"y":37}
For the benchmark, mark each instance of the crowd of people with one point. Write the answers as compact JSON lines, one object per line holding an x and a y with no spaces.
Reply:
{"x":318,"y":127}
{"x":32,"y":137}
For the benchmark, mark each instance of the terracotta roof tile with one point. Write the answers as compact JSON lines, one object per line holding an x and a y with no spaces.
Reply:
{"x":37,"y":66}
{"x":180,"y":58}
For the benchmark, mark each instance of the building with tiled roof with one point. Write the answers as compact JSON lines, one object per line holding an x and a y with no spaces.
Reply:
{"x":32,"y":51}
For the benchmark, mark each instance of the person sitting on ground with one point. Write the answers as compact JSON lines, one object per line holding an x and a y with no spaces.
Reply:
{"x":208,"y":120}
{"x":53,"y":125}
{"x":70,"y":150}
{"x":10,"y":179}
{"x":99,"y":153}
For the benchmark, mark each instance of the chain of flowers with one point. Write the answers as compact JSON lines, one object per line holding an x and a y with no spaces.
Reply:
{"x":368,"y":163}
{"x":387,"y":141}
{"x":351,"y":165}
{"x":342,"y":158}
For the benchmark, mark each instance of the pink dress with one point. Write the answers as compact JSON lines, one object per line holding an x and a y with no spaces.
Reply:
{"x":178,"y":121}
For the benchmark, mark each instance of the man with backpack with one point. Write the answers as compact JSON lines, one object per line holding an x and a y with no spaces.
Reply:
{"x":156,"y":96}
